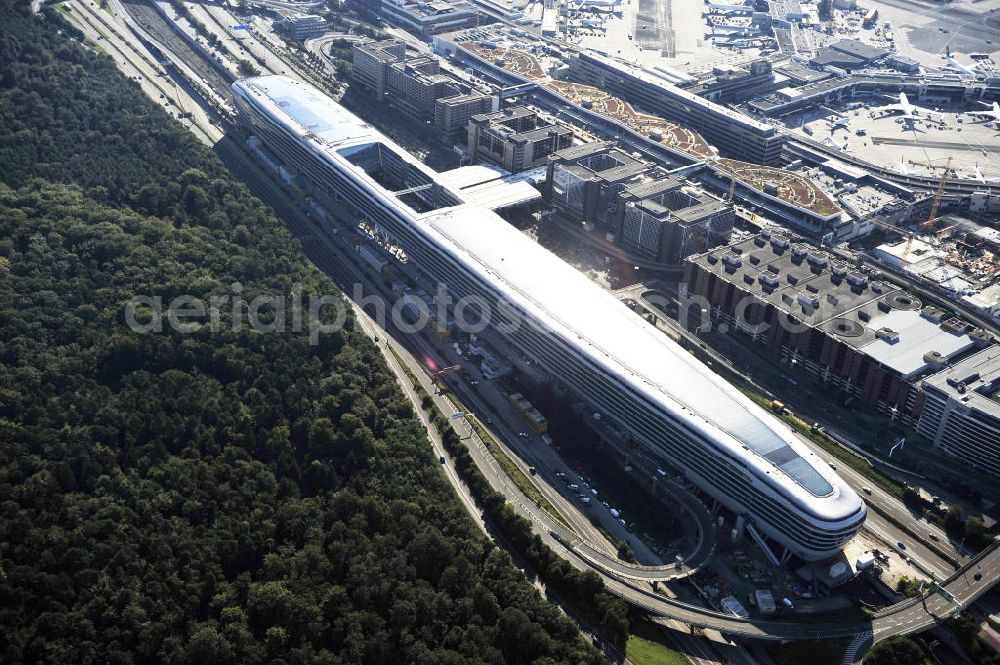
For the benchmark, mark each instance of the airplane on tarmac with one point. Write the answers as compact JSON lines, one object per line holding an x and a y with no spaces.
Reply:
{"x":977,"y":175}
{"x":908,"y":110}
{"x":840,"y":123}
{"x":992,"y":114}
{"x":833,"y":144}
{"x":955,"y":64}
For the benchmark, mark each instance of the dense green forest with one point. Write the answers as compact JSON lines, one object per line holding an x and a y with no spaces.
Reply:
{"x":203,"y":497}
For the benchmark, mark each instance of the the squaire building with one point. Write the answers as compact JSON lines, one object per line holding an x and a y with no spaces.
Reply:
{"x":665,"y":399}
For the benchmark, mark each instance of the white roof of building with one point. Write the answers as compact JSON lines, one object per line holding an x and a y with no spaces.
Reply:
{"x":467,"y":176}
{"x":570,"y":305}
{"x":311,"y":110}
{"x":918,"y":250}
{"x":554,"y":291}
{"x":987,"y":300}
{"x":501,"y":194}
{"x":917,"y":336}
{"x":491,"y":188}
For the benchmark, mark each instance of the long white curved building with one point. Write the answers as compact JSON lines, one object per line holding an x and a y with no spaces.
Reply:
{"x":586,"y":339}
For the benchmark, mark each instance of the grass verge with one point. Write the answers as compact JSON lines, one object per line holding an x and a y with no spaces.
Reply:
{"x":647,"y":646}
{"x":512,"y":470}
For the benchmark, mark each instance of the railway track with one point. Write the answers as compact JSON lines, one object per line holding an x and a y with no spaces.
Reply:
{"x":166,"y":34}
{"x":143,"y":65}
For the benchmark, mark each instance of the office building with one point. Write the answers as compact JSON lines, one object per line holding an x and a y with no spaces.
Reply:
{"x":668,"y":221}
{"x":635,"y":202}
{"x":857,"y":333}
{"x":585,"y":180}
{"x":301,"y":27}
{"x":581,"y":336}
{"x":410,"y":84}
{"x":959,"y":410}
{"x":416,"y":84}
{"x":515,"y":138}
{"x":452,"y":115}
{"x":370,"y":63}
{"x":424,"y":19}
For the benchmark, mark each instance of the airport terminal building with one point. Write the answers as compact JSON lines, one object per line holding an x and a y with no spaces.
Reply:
{"x":582,"y":336}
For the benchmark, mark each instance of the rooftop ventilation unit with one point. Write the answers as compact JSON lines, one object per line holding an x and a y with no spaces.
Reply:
{"x":799,"y":250}
{"x":857,"y":279}
{"x":934,"y":314}
{"x":981,"y":337}
{"x":887,"y":334}
{"x":957,"y":381}
{"x":935,"y":360}
{"x":808,"y":300}
{"x":817,"y":259}
{"x":754,"y":259}
{"x":779,"y":242}
{"x":732,"y":260}
{"x":953,"y":325}
{"x":767,"y":279}
{"x":839,"y":269}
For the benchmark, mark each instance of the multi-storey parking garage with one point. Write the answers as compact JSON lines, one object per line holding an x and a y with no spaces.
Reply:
{"x":583,"y":337}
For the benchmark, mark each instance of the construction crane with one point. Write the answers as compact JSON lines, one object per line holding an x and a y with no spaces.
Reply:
{"x":935,"y":207}
{"x":937,"y":197}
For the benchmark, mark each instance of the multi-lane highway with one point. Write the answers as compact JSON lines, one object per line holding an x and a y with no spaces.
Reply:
{"x":108,"y":32}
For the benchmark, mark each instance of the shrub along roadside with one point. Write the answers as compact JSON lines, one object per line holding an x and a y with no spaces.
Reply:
{"x":584,"y":590}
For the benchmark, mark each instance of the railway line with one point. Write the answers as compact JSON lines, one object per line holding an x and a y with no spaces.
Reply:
{"x":164,"y":32}
{"x":142,"y":67}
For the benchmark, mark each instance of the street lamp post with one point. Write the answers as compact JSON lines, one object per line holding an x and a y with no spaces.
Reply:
{"x":467,"y":415}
